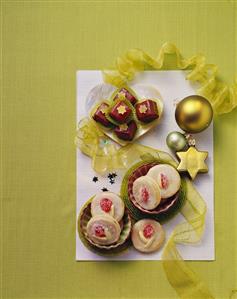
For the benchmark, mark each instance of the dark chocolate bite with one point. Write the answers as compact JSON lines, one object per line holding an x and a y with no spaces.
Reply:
{"x":120,"y":112}
{"x":147,"y":111}
{"x":126,"y":131}
{"x":99,"y":115}
{"x":124,"y":93}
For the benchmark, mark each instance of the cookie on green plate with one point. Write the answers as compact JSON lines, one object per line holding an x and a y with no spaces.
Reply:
{"x":167,"y":208}
{"x":117,"y":247}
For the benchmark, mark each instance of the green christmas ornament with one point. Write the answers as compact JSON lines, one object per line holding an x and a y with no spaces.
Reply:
{"x":176,"y":141}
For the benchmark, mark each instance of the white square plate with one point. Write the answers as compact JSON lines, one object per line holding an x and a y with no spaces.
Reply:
{"x":173,"y":87}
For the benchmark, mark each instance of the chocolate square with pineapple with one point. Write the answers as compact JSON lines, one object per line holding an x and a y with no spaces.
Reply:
{"x":126,"y":131}
{"x":100,"y":117}
{"x":120,"y":112}
{"x":125,"y":94}
{"x":147,"y":111}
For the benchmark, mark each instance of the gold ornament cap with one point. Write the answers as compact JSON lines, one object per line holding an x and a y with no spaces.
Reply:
{"x":194,"y":114}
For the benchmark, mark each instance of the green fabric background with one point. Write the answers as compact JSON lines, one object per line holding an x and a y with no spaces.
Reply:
{"x":43,"y":44}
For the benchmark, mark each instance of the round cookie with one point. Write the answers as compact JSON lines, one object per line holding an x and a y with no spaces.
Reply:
{"x":108,"y":203}
{"x":146,"y":192}
{"x":147,"y":235}
{"x":167,"y":178}
{"x":103,"y":230}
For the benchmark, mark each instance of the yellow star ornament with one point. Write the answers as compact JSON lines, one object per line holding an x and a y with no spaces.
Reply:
{"x":192,"y":161}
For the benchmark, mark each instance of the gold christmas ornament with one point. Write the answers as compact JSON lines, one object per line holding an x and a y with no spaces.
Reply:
{"x":192,"y":161}
{"x":193,"y":114}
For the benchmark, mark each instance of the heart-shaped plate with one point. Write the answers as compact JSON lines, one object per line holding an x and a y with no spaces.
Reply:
{"x":105,"y":93}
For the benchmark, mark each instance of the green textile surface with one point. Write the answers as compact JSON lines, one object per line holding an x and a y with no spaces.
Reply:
{"x":43,"y":44}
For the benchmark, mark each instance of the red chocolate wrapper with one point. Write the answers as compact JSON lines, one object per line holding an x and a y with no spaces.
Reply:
{"x":99,"y":116}
{"x":127,"y":95}
{"x":147,"y":111}
{"x":126,"y":131}
{"x":120,"y":112}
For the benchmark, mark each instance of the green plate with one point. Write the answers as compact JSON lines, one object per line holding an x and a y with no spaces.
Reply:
{"x":137,"y":213}
{"x":122,"y":244}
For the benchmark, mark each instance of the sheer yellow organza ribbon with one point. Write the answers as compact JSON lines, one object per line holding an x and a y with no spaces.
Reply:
{"x":222,"y":97}
{"x":105,"y":157}
{"x":93,"y":143}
